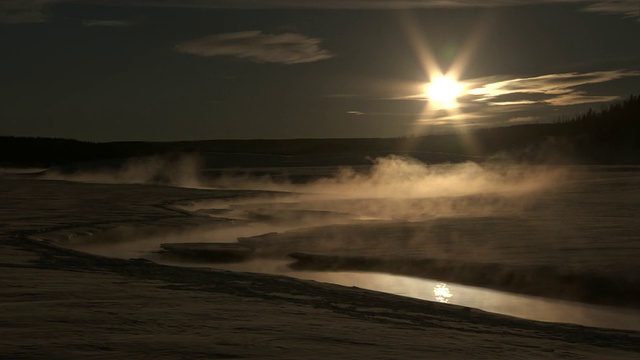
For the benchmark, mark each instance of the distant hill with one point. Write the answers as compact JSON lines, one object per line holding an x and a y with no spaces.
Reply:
{"x":609,"y":136}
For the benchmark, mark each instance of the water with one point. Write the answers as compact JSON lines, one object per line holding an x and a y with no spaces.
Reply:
{"x":522,"y":306}
{"x":577,"y":240}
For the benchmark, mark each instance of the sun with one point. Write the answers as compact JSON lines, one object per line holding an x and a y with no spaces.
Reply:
{"x":443,"y":91}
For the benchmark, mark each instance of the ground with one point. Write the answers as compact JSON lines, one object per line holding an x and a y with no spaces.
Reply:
{"x":61,"y":304}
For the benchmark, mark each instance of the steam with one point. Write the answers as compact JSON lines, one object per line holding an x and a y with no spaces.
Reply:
{"x":174,"y":170}
{"x":392,"y":190}
{"x":406,"y":178}
{"x":402,"y":188}
{"x":491,"y":224}
{"x":392,"y":178}
{"x":398,"y":208}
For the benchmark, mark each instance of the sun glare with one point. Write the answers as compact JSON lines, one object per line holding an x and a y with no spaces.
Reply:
{"x":443,"y":91}
{"x":442,"y":293}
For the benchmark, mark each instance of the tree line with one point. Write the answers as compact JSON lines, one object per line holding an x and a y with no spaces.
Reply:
{"x":608,"y":136}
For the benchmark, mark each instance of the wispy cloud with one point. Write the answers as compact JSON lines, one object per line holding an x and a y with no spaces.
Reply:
{"x":107,"y":23}
{"x":33,"y":11}
{"x":500,"y":100}
{"x":557,"y":89}
{"x":522,"y":119}
{"x":576,"y":98}
{"x":446,"y":119}
{"x":23,"y":11}
{"x":627,"y":8}
{"x":38,"y":11}
{"x":287,"y":48}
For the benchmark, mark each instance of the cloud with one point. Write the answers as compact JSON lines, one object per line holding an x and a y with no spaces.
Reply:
{"x":287,"y":48}
{"x":627,"y":8}
{"x":447,"y":118}
{"x":515,"y":102}
{"x":577,"y":98}
{"x":522,"y":119}
{"x":23,"y":11}
{"x":558,"y":89}
{"x":33,"y":11}
{"x":107,"y":23}
{"x":37,"y":11}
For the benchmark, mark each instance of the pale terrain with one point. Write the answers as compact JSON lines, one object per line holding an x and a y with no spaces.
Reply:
{"x":63,"y":304}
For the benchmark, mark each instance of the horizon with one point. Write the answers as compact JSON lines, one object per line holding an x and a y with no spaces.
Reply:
{"x":278,"y":70}
{"x":448,"y":132}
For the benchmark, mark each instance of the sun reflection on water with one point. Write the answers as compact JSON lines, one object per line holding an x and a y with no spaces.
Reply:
{"x":442,"y":293}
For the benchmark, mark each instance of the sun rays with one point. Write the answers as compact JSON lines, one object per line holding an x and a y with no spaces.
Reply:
{"x":443,"y":87}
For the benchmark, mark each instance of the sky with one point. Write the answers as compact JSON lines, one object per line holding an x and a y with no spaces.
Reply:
{"x":167,"y":70}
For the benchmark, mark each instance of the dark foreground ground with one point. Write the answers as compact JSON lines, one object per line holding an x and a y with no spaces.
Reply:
{"x":61,"y":304}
